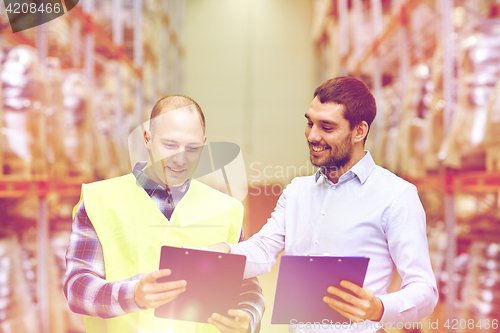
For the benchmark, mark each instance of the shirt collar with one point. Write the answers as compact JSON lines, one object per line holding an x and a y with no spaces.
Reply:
{"x":150,"y":185}
{"x":362,"y":169}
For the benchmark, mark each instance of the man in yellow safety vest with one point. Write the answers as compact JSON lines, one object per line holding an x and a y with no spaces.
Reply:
{"x":120,"y":225}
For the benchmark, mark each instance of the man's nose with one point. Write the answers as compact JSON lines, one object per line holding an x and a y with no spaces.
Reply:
{"x":314,"y":135}
{"x":180,"y":157}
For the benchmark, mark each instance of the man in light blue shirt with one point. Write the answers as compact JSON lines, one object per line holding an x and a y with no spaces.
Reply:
{"x":350,"y":207}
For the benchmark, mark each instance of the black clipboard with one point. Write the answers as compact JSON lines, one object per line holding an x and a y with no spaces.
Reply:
{"x":213,"y":282}
{"x":302,"y":283}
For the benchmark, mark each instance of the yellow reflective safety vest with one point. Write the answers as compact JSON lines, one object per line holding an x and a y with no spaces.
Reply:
{"x":132,"y":230}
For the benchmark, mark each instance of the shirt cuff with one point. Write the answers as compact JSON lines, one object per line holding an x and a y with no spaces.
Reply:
{"x":254,"y":325}
{"x":391,"y":311}
{"x":232,"y":248}
{"x":126,"y":297}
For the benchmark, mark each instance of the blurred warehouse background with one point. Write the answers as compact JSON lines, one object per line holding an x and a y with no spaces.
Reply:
{"x":74,"y":88}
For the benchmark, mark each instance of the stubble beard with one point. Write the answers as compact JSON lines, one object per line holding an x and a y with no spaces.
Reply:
{"x":340,"y":158}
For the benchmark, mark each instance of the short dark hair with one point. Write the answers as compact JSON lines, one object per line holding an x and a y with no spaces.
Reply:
{"x":358,"y":101}
{"x":172,"y":102}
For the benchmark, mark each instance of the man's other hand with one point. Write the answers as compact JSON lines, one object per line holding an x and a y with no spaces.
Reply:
{"x":151,"y":294}
{"x":365,"y":305}
{"x":220,"y":247}
{"x":241,"y":322}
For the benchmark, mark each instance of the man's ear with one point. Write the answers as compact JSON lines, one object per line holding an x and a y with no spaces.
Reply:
{"x":360,"y":132}
{"x":204,"y":140}
{"x":147,"y":139}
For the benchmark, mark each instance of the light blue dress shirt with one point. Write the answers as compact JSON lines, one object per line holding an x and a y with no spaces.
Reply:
{"x":370,"y":212}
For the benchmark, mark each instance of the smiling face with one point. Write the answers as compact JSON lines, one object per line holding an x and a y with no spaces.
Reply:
{"x":175,"y":144}
{"x":330,"y":138}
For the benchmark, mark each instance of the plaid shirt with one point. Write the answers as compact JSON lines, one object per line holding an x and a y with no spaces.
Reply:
{"x":85,"y":286}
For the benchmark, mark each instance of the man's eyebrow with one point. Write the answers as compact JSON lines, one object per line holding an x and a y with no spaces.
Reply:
{"x":168,"y":140}
{"x":327,"y":122}
{"x":198,"y":144}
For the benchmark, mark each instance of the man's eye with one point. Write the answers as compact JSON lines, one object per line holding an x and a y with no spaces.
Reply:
{"x":309,"y":124}
{"x":327,"y":128}
{"x":191,"y":148}
{"x":170,"y":146}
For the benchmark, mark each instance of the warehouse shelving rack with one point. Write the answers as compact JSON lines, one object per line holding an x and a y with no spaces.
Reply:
{"x":355,"y":60}
{"x":41,"y":187}
{"x":110,"y":46}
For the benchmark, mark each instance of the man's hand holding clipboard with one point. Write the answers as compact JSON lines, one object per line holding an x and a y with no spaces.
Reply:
{"x":149,"y":293}
{"x":360,"y":306}
{"x":240,"y":323}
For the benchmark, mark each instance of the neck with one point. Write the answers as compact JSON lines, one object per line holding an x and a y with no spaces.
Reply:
{"x":334,"y":174}
{"x":148,"y":171}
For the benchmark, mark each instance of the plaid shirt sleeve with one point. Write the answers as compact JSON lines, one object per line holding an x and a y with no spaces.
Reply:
{"x":89,"y":293}
{"x":251,"y":298}
{"x":85,"y":285}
